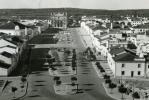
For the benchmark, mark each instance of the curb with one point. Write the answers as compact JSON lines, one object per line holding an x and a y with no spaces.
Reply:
{"x":108,"y":93}
{"x":24,"y":93}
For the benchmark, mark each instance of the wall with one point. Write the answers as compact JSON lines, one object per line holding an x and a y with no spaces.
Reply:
{"x":130,"y":66}
{"x":111,"y":63}
{"x":8,"y":31}
{"x":3,"y":72}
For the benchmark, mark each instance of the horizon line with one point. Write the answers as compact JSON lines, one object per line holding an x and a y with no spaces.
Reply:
{"x":72,"y":8}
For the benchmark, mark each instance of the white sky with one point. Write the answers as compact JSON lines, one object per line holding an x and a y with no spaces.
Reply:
{"x":89,"y":4}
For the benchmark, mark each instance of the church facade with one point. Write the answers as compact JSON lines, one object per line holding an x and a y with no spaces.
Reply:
{"x":59,"y":20}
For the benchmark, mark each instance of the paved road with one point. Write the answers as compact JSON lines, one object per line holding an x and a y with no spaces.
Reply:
{"x":41,"y":83}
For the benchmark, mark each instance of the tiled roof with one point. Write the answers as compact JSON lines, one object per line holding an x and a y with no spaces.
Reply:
{"x":8,"y":25}
{"x":4,"y":65}
{"x":96,"y":27}
{"x":124,"y":57}
{"x":6,"y":54}
{"x":21,"y":26}
{"x":145,"y":26}
{"x":114,"y":31}
{"x":9,"y":46}
{"x":114,"y":51}
{"x":136,"y":19}
{"x":131,"y":46}
{"x":12,"y":42}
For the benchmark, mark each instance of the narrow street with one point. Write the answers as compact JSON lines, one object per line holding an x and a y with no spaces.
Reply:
{"x":41,"y":83}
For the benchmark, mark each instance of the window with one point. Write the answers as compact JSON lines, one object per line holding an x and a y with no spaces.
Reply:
{"x":148,"y":66}
{"x":139,"y":65}
{"x":123,"y":72}
{"x":139,"y":72}
{"x":123,"y":65}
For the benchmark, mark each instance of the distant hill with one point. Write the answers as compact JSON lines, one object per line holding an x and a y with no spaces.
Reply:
{"x":45,"y":13}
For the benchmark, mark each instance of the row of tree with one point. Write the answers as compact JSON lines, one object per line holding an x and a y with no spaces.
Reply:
{"x":100,"y":67}
{"x":74,"y":59}
{"x":89,"y":54}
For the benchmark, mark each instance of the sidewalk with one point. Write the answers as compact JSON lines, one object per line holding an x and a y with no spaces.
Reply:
{"x":7,"y":93}
{"x":117,"y":95}
{"x":86,"y":39}
{"x":103,"y":61}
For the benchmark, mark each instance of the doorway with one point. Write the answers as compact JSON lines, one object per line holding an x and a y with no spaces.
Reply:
{"x":132,"y":73}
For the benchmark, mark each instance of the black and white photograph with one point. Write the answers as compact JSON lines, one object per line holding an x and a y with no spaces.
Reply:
{"x":74,"y":49}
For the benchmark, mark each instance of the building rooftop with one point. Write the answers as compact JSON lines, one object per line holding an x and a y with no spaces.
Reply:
{"x":9,"y":46}
{"x":6,"y":54}
{"x":12,"y":42}
{"x":125,"y":57}
{"x":4,"y":65}
{"x":117,"y":50}
{"x":131,"y":46}
{"x":135,"y":19}
{"x":8,"y":25}
{"x":21,"y":26}
{"x":145,"y":26}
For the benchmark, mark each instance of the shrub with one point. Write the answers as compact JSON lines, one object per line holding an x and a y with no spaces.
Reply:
{"x":136,"y":95}
{"x":108,"y":81}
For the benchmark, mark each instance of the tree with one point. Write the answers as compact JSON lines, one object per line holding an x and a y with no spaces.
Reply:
{"x":48,"y":56}
{"x":22,"y":86}
{"x":23,"y":79}
{"x":73,"y":79}
{"x":97,"y":63}
{"x":53,"y":69}
{"x":135,"y":95}
{"x":13,"y":89}
{"x":102,"y":70}
{"x":58,"y":83}
{"x":106,"y":76}
{"x":56,"y":78}
{"x":73,"y":84}
{"x":73,"y":69}
{"x":122,"y":90}
{"x":111,"y":86}
{"x":108,"y":81}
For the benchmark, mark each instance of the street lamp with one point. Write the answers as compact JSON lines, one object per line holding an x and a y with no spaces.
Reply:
{"x":121,"y":74}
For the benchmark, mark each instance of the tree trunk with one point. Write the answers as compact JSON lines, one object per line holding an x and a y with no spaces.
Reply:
{"x":111,"y":91}
{"x":14,"y":95}
{"x":59,"y":88}
{"x":122,"y":96}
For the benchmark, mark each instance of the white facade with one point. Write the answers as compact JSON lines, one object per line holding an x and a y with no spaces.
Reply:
{"x":130,"y":69}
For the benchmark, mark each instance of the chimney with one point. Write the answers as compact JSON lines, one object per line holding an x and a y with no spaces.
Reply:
{"x":39,"y":29}
{"x":25,"y":31}
{"x":122,"y":26}
{"x":141,"y":55}
{"x":108,"y":30}
{"x":111,"y":26}
{"x":138,"y":49}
